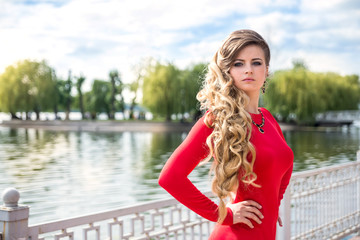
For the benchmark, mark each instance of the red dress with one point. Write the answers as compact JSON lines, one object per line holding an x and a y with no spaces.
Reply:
{"x":273,"y":166}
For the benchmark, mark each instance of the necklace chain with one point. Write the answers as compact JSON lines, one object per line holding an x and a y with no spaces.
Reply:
{"x":260,"y":126}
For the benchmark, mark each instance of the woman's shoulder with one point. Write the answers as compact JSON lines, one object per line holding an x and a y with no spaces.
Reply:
{"x":267,"y":113}
{"x":201,"y":127}
{"x":205,"y":122}
{"x":264,"y":110}
{"x":272,"y":119}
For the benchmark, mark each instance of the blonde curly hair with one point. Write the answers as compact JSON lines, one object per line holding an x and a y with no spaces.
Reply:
{"x":229,"y":143}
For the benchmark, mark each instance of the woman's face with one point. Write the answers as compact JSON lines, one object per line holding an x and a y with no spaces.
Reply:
{"x":249,"y":70}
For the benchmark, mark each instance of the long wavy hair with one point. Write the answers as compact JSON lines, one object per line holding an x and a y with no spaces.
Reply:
{"x":229,"y":143}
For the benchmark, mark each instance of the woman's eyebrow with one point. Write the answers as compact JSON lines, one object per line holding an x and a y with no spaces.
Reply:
{"x":238,"y":59}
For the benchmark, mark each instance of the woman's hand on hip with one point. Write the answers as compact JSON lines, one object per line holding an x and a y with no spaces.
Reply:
{"x":246,"y":210}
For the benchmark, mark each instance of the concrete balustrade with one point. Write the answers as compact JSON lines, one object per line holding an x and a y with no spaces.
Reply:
{"x":13,"y":217}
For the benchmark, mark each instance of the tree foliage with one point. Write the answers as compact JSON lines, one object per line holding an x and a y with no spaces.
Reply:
{"x":27,"y":86}
{"x":99,"y":99}
{"x":299,"y":94}
{"x":117,"y":87}
{"x":135,"y":86}
{"x":79,"y":82}
{"x":293,"y":95}
{"x":191,"y":82}
{"x":167,"y":90}
{"x":161,"y":86}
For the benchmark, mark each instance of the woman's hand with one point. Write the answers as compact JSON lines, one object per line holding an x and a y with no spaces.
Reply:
{"x":280,"y":222}
{"x":246,"y":210}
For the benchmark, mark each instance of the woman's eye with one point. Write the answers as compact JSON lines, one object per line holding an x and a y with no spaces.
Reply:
{"x":238,"y":64}
{"x":257,"y":63}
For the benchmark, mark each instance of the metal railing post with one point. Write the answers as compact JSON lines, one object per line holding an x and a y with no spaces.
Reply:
{"x":358,"y":190}
{"x":287,"y":213}
{"x":284,"y":233}
{"x":13,"y":217}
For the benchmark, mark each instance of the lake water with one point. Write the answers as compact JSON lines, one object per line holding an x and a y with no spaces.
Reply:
{"x":66,"y":174}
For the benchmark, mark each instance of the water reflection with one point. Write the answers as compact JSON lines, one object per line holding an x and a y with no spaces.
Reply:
{"x":314,"y":149}
{"x":25,"y":152}
{"x":159,"y":150}
{"x":62,"y":174}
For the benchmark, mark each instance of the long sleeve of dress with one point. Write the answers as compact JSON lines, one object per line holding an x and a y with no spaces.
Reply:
{"x":174,"y":175}
{"x":284,"y":183}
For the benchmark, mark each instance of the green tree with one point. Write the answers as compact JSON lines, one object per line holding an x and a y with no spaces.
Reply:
{"x":134,"y":87}
{"x":90,"y":104}
{"x":45,"y":82}
{"x":66,"y":89}
{"x":99,"y":99}
{"x":191,"y":81}
{"x":299,"y":94}
{"x":116,"y":91}
{"x":10,"y":100}
{"x":28,"y":86}
{"x":161,"y":85}
{"x":79,"y":82}
{"x":56,"y":95}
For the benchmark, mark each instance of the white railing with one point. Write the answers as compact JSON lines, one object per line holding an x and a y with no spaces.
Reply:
{"x":163,"y":219}
{"x":323,"y":203}
{"x":154,"y":220}
{"x":318,"y":204}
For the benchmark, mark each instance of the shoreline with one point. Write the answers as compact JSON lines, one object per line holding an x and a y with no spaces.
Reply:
{"x":127,"y":126}
{"x":99,"y":126}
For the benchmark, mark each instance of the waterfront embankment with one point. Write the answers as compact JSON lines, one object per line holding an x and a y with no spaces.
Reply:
{"x":125,"y":126}
{"x":101,"y":126}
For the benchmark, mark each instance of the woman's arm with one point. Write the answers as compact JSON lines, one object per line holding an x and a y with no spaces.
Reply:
{"x":285,"y":182}
{"x":174,"y":176}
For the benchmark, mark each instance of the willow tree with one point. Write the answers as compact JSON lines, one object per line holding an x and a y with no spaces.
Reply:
{"x":299,"y":94}
{"x":27,"y":86}
{"x":10,"y":95}
{"x":98,"y":100}
{"x":191,"y":82}
{"x":161,"y":89}
{"x":79,"y":82}
{"x":117,"y":87}
{"x":135,"y":86}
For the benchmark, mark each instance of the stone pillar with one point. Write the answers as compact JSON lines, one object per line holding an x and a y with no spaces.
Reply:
{"x":13,"y":217}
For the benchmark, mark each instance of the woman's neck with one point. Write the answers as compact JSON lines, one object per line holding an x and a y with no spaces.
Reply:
{"x":253,"y":109}
{"x":253,"y":105}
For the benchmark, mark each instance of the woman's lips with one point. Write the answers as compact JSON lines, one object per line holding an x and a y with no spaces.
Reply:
{"x":248,"y":80}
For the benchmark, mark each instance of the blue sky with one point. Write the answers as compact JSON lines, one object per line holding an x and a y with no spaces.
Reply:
{"x":94,"y":37}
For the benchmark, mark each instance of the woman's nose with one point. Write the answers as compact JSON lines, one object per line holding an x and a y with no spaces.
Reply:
{"x":248,"y":69}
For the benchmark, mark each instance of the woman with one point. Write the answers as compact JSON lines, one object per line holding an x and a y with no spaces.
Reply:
{"x":252,"y":162}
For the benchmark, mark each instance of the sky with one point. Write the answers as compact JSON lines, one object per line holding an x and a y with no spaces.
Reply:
{"x":93,"y":37}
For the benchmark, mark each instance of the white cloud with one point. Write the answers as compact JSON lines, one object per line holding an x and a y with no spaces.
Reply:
{"x":274,"y":27}
{"x":94,"y":37}
{"x":325,"y":6}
